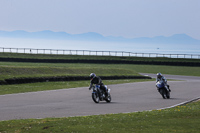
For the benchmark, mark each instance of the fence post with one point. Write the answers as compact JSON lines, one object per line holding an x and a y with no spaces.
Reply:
{"x":98,"y":53}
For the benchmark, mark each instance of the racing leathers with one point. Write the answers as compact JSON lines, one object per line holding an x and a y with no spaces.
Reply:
{"x":97,"y":80}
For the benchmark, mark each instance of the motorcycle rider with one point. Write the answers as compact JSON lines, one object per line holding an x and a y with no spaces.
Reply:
{"x":97,"y":80}
{"x":160,"y":77}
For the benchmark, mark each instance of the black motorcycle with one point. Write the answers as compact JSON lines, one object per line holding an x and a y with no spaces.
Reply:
{"x":99,"y":95}
{"x":163,"y":89}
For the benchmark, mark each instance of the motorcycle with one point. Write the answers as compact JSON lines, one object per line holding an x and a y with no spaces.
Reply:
{"x":163,"y":89}
{"x":99,"y":95}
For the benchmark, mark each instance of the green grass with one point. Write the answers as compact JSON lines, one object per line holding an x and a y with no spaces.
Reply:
{"x":181,"y":119}
{"x":14,"y":69}
{"x":89,"y":57}
{"x":32,"y":87}
{"x":17,"y":70}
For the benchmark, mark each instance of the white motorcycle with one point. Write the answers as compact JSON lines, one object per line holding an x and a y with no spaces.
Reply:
{"x":163,"y":89}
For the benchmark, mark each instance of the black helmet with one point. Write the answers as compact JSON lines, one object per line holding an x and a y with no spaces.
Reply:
{"x":92,"y":75}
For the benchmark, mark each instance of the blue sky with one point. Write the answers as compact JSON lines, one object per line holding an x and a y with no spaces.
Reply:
{"x":126,"y":18}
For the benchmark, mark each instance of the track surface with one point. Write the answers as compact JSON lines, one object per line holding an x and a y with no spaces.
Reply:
{"x":128,"y":97}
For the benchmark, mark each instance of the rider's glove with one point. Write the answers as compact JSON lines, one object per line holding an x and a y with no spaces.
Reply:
{"x":89,"y":88}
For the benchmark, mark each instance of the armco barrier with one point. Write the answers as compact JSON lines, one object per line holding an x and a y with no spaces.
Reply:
{"x":64,"y":78}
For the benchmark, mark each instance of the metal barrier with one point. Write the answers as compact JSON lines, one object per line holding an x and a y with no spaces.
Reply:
{"x":95,"y":53}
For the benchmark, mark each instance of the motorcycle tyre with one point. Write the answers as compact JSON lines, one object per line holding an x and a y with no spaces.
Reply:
{"x":168,"y":95}
{"x":108,"y":99}
{"x":162,"y":92}
{"x":95,"y":97}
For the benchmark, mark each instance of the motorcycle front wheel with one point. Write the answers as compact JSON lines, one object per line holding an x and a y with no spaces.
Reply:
{"x":162,"y":92}
{"x":108,"y":99}
{"x":95,"y":97}
{"x":168,"y":95}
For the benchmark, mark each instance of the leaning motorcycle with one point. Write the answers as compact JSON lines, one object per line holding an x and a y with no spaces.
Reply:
{"x":99,"y":95}
{"x":163,"y":89}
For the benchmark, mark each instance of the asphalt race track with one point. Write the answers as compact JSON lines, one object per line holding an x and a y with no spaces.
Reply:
{"x":128,"y":97}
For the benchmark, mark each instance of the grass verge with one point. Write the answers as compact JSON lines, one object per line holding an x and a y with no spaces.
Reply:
{"x":32,"y":87}
{"x":14,"y":69}
{"x":93,"y":57}
{"x":17,"y":70}
{"x":179,"y":119}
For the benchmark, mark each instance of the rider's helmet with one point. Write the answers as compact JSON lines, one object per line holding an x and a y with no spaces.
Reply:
{"x":92,"y":75}
{"x":159,"y":75}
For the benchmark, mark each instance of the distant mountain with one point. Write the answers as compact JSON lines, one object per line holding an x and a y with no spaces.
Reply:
{"x":92,"y":36}
{"x":174,"y":39}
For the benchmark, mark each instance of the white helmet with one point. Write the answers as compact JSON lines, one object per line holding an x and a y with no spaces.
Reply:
{"x":92,"y":75}
{"x":159,"y":75}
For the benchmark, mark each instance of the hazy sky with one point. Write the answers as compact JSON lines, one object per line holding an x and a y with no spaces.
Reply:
{"x":127,"y":18}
